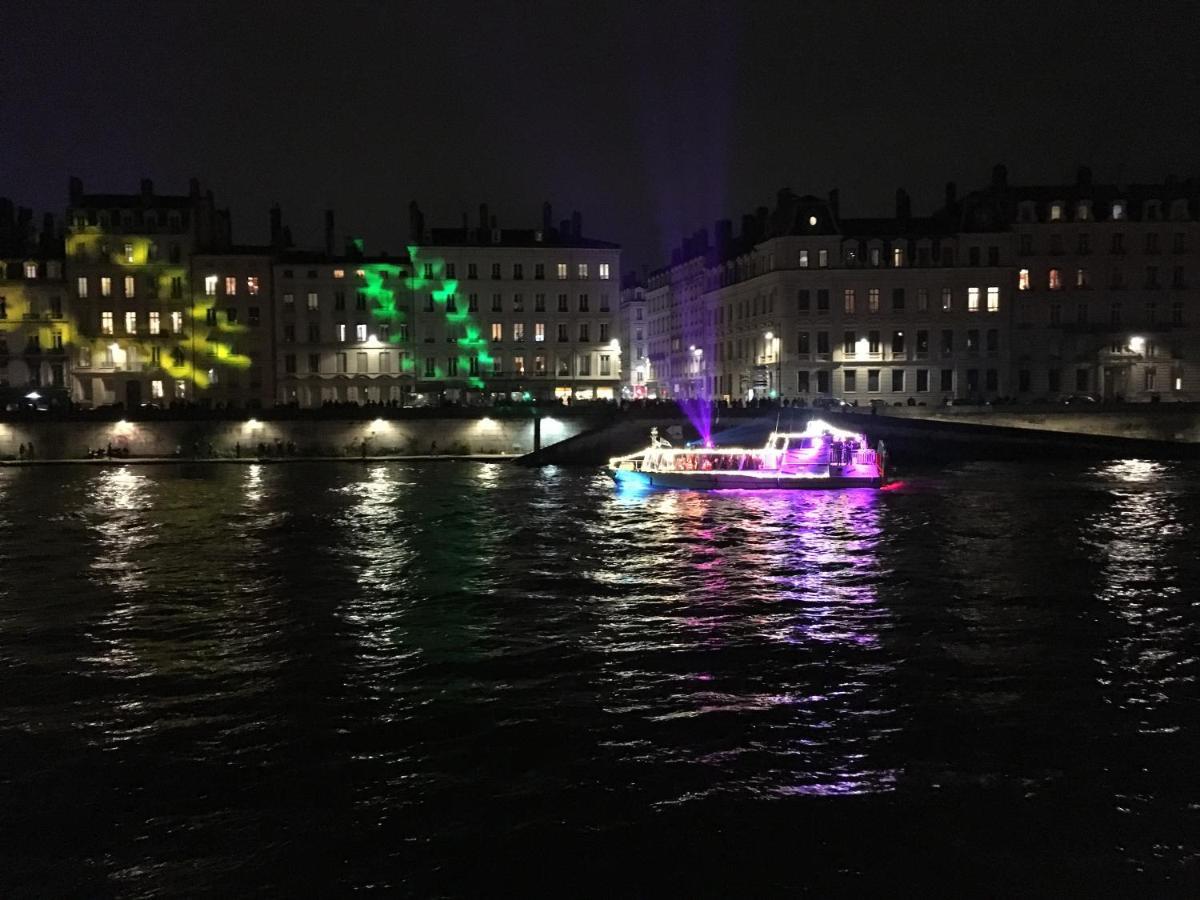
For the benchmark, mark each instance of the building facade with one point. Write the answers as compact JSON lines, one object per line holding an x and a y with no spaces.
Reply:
{"x":635,"y":369}
{"x":1029,"y":293}
{"x":35,"y":330}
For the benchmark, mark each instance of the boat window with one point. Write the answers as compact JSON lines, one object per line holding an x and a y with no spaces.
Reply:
{"x":781,"y":443}
{"x":808,"y":443}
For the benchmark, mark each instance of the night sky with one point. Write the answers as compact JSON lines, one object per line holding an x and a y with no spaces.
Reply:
{"x":652,"y":119}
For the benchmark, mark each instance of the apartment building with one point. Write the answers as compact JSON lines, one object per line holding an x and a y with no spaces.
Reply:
{"x":35,"y":330}
{"x":141,"y":336}
{"x":502,"y":312}
{"x":633,"y":334}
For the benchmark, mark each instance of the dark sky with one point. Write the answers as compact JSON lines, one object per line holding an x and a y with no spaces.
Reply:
{"x":651,"y":118}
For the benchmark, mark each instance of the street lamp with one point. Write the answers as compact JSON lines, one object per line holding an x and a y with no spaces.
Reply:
{"x":773,"y":342}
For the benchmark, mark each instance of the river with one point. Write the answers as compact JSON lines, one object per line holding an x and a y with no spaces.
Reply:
{"x":447,"y":678}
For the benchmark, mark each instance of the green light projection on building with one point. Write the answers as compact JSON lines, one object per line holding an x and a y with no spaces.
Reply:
{"x":430,"y":275}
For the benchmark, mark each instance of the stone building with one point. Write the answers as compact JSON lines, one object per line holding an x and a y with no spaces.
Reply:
{"x":35,"y":330}
{"x":633,"y":325}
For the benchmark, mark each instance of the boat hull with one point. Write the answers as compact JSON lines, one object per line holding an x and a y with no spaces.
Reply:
{"x":740,"y":481}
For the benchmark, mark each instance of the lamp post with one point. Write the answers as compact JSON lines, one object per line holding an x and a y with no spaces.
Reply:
{"x":773,"y":343}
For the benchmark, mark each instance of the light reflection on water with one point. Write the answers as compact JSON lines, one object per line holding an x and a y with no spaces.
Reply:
{"x":386,"y":663}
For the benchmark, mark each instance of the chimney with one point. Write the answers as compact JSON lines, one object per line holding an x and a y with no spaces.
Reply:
{"x":147,"y":188}
{"x":576,"y":225}
{"x":329,"y":232}
{"x":999,"y":176}
{"x":951,"y":194}
{"x":547,"y":219}
{"x":276,"y":226}
{"x":903,"y":205}
{"x":416,"y":223}
{"x":286,"y":237}
{"x":835,"y":203}
{"x":483,"y":217}
{"x":194,"y":188}
{"x":1083,"y":176}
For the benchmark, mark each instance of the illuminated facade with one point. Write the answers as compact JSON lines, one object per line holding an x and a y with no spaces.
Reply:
{"x":508,"y":312}
{"x":342,"y":329}
{"x":233,"y":317}
{"x":35,"y":330}
{"x":141,"y":328}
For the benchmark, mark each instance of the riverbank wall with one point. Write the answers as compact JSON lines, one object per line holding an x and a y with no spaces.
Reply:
{"x":383,"y":436}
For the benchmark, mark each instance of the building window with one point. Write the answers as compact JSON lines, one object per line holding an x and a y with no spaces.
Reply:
{"x":848,"y":300}
{"x":802,"y":300}
{"x":177,"y":322}
{"x":822,"y":300}
{"x":360,"y":332}
{"x":518,"y":331}
{"x":105,"y":286}
{"x":873,"y":343}
{"x":340,"y":360}
{"x":823,"y":259}
{"x":873,"y":300}
{"x":518,"y":271}
{"x":497,"y":331}
{"x":585,"y":364}
{"x":849,"y":339}
{"x":972,"y":299}
{"x":497,"y":303}
{"x":604,"y":272}
{"x":539,"y":302}
{"x":562,"y":271}
{"x":1118,"y":210}
{"x":210,"y":285}
{"x":850,"y":381}
{"x":129,"y":286}
{"x":993,"y":299}
{"x":1084,"y":245}
{"x":1056,"y":212}
{"x":314,"y":362}
{"x":898,"y":348}
{"x":947,"y":299}
{"x":584,"y":333}
{"x":583,"y":302}
{"x":81,"y":287}
{"x":155,"y":325}
{"x":605,"y":364}
{"x":1023,"y":280}
{"x":897,"y":257}
{"x":582,"y":270}
{"x":312,"y":300}
{"x":340,"y":330}
{"x":518,"y":365}
{"x":873,"y":381}
{"x":1055,"y":279}
{"x":106,"y":322}
{"x":803,"y":260}
{"x":539,"y":331}
{"x":562,"y":331}
{"x":897,"y":299}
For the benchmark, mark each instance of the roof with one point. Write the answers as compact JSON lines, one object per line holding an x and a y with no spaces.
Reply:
{"x":513,"y":237}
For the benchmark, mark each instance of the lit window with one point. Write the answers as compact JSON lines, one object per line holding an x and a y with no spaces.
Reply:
{"x":312,"y":299}
{"x":180,"y":389}
{"x":106,"y":322}
{"x":1056,"y":212}
{"x":873,"y":300}
{"x":848,"y":301}
{"x":177,"y":322}
{"x":210,"y":285}
{"x":130,"y":289}
{"x":31,"y":270}
{"x":1023,"y":280}
{"x":972,"y":299}
{"x":81,"y":286}
{"x":230,"y":286}
{"x":156,"y":389}
{"x":582,"y":270}
{"x":361,"y":273}
{"x":1055,"y":280}
{"x":1083,"y":212}
{"x":155,"y":324}
{"x":539,"y":331}
{"x":129,"y":253}
{"x":341,"y":331}
{"x":518,"y":365}
{"x":604,"y":271}
{"x":1118,"y":210}
{"x":360,"y":332}
{"x":339,"y":273}
{"x":897,"y":257}
{"x":562,"y":271}
{"x":252,"y":285}
{"x":804,"y":259}
{"x":1081,"y":278}
{"x":993,"y":299}
{"x":497,"y":331}
{"x":518,"y":331}
{"x":105,"y":286}
{"x":822,"y":258}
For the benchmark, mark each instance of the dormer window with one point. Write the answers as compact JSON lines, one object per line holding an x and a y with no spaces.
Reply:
{"x":1153,"y":210}
{"x":1118,"y":210}
{"x":1026,"y":212}
{"x":1056,"y":212}
{"x":1179,"y":210}
{"x":897,"y":257}
{"x":1083,"y":212}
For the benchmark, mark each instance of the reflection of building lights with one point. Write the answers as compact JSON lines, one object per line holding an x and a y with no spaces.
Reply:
{"x":33,"y":395}
{"x":551,"y":427}
{"x":251,"y":425}
{"x":380,"y":424}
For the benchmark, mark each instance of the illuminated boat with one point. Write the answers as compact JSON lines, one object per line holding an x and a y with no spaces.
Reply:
{"x":821,"y":456}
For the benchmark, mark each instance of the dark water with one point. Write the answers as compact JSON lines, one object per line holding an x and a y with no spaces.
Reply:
{"x":450,"y":679}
